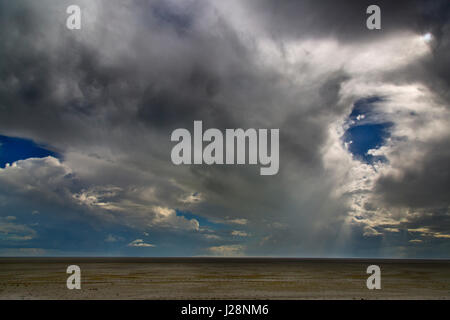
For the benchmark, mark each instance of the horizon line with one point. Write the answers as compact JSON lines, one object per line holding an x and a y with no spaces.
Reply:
{"x":223,"y":257}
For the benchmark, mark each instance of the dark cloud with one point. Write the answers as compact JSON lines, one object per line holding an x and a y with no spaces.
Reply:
{"x":108,"y":96}
{"x":347,"y":20}
{"x":425,"y":184}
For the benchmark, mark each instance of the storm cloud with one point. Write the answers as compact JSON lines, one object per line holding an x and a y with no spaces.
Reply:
{"x":105,"y":99}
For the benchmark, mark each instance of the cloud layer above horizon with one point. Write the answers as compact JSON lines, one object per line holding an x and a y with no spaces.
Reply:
{"x":364,"y":123}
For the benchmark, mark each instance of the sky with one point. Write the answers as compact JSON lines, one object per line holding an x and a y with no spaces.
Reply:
{"x":363,"y":115}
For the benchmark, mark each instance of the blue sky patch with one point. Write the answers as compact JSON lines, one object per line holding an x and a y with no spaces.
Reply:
{"x":365,"y":132}
{"x":13,"y":149}
{"x":202,"y":221}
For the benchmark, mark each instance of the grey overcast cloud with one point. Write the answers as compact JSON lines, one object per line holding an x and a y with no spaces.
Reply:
{"x":363,"y":115}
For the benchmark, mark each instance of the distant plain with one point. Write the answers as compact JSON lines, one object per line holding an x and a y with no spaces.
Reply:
{"x":222,"y":278}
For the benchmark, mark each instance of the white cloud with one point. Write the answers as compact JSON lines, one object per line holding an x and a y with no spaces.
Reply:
{"x":371,"y":232}
{"x":54,"y":181}
{"x":10,"y":231}
{"x":193,"y":198}
{"x":46,"y":177}
{"x":239,"y":233}
{"x":241,"y":221}
{"x":140,"y":243}
{"x":212,"y":237}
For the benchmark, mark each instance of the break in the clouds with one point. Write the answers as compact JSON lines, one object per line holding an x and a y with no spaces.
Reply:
{"x":86,"y":117}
